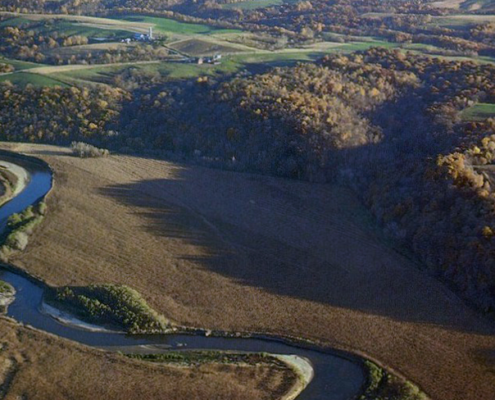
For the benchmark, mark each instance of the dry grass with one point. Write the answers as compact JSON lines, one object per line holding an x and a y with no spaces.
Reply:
{"x":244,"y":252}
{"x":34,"y":365}
{"x":7,"y":181}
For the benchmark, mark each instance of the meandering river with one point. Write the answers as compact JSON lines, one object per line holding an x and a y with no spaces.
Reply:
{"x":335,"y":376}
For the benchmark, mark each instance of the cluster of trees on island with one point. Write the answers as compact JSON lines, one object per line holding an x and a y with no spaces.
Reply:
{"x":383,"y":122}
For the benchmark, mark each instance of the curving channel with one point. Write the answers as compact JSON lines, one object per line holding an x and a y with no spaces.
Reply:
{"x":335,"y":376}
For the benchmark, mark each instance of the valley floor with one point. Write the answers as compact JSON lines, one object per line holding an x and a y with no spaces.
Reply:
{"x":244,"y":252}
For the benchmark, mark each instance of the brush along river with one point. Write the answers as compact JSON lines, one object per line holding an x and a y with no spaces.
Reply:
{"x":333,"y":375}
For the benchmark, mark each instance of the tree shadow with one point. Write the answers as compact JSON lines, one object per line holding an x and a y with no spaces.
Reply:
{"x":51,"y":153}
{"x":275,"y":234}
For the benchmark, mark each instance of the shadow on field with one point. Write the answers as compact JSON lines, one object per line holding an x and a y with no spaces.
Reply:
{"x":485,"y":357}
{"x":281,"y":238}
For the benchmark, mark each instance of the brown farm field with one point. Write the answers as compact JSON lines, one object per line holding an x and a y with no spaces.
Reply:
{"x":35,"y":365}
{"x":244,"y":252}
{"x":201,"y":47}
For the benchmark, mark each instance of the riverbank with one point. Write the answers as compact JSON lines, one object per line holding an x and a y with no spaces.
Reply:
{"x":7,"y":296}
{"x":13,"y":179}
{"x":69,"y":320}
{"x":304,"y":371}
